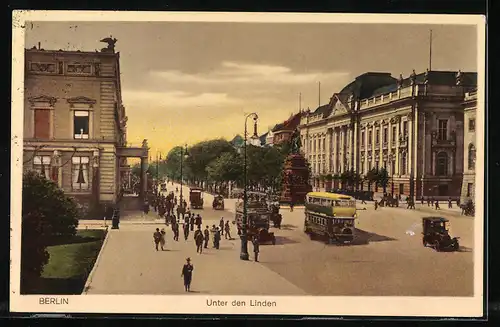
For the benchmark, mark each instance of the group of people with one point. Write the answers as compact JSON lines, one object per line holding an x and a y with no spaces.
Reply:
{"x":410,"y":203}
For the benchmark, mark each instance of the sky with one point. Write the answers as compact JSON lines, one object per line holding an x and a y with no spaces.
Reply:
{"x":185,"y":82}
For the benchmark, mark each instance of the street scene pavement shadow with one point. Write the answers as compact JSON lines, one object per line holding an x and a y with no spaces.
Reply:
{"x":281,"y":240}
{"x":464,"y":249}
{"x":289,"y":227}
{"x":363,"y":237}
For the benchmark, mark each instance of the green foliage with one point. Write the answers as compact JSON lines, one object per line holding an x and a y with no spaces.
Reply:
{"x":227,"y":167}
{"x":202,"y":154}
{"x":47,"y":214}
{"x":383,"y":178}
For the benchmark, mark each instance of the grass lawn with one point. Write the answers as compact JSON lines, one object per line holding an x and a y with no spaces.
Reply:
{"x":71,"y":261}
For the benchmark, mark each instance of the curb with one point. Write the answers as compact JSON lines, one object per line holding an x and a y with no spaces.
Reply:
{"x":96,"y":263}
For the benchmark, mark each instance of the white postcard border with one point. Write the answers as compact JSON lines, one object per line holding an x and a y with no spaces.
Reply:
{"x":196,"y":304}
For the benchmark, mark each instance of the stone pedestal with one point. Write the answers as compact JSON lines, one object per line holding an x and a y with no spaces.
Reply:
{"x":295,"y":184}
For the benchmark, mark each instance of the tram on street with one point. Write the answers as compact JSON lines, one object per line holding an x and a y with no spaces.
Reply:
{"x":330,"y":216}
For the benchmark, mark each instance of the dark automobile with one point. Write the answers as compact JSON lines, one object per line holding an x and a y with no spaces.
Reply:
{"x":435,"y":231}
{"x":218,"y":203}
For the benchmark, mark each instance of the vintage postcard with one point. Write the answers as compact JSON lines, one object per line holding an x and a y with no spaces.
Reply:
{"x":225,"y":163}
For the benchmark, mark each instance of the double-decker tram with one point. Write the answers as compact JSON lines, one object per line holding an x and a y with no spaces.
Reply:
{"x":331,"y":216}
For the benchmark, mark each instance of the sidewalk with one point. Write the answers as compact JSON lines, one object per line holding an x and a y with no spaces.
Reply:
{"x":129,"y":264}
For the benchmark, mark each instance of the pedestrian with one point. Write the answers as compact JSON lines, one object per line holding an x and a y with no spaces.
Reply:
{"x":256,"y":245}
{"x":191,"y":222}
{"x":449,"y":203}
{"x":221,"y":224}
{"x":422,"y":200}
{"x":363,"y":201}
{"x":291,"y":205}
{"x":175,"y":228}
{"x":198,"y":239}
{"x":227,"y":230}
{"x":428,"y":201}
{"x":162,"y":240}
{"x":437,"y":205}
{"x":186,"y":231}
{"x":157,"y":238}
{"x":197,"y":221}
{"x":206,"y":238}
{"x":279,"y":218}
{"x":375,"y":204}
{"x":217,"y":237}
{"x":187,"y":273}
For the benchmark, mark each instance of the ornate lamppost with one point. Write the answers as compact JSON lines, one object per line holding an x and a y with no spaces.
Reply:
{"x":244,"y":236}
{"x":184,"y":155}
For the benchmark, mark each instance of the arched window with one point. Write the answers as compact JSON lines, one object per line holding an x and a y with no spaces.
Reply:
{"x":442,"y":164}
{"x":472,"y":156}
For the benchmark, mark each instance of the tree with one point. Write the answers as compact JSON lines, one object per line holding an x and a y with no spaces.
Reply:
{"x":47,"y":214}
{"x":227,"y":167}
{"x":383,"y":178}
{"x":202,"y":154}
{"x":173,"y":163}
{"x":371,"y":177}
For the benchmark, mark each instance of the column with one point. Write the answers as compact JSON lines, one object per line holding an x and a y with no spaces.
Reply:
{"x":398,"y":136}
{"x":144,"y":177}
{"x":409,"y":163}
{"x":355,"y":148}
{"x":328,"y":150}
{"x":342,"y":149}
{"x":334,"y":140}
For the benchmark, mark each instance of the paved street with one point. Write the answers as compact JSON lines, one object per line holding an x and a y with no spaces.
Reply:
{"x":386,"y":259}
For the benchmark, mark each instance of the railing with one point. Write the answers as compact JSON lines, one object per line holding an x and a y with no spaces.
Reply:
{"x":386,"y":98}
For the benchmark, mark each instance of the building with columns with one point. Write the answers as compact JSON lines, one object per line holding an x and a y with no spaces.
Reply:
{"x":412,"y":127}
{"x":469,"y":183}
{"x":75,"y":123}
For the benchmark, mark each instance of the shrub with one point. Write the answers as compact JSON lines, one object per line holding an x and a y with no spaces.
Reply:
{"x":47,"y":214}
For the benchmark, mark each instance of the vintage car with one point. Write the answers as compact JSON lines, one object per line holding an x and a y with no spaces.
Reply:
{"x":435,"y":231}
{"x":163,"y":187}
{"x":258,"y":220}
{"x":196,"y":198}
{"x":218,"y":203}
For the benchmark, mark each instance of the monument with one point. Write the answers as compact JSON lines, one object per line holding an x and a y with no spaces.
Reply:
{"x":295,"y":184}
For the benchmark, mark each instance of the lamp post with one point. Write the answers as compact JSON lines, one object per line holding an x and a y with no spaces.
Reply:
{"x":183,"y":154}
{"x":244,"y":236}
{"x":391,"y":160}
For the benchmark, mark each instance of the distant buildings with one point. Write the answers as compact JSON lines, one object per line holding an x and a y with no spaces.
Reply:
{"x":470,"y":106}
{"x":282,"y":132}
{"x":413,"y":127}
{"x":75,"y":123}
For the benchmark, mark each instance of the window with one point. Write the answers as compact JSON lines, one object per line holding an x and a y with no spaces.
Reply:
{"x":393,"y":166}
{"x":310,"y":145}
{"x":324,"y":145}
{"x":80,"y":173}
{"x":442,"y":164}
{"x":385,"y":164}
{"x":81,"y":124}
{"x":403,"y":163}
{"x":42,"y":123}
{"x":377,"y":137}
{"x":41,"y":164}
{"x":376,"y":165}
{"x":369,"y":165}
{"x":370,"y":137}
{"x":472,"y":157}
{"x":401,"y":188}
{"x":405,"y":128}
{"x":314,"y":145}
{"x":385,"y":135}
{"x":442,"y":129}
{"x":363,"y":138}
{"x":472,"y":125}
{"x":470,"y":189}
{"x":394,"y":134}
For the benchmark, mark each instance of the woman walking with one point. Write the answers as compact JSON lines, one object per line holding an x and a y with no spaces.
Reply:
{"x":162,"y":239}
{"x":187,"y":273}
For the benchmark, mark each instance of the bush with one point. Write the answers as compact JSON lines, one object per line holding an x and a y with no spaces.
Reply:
{"x":44,"y":198}
{"x":47,"y":214}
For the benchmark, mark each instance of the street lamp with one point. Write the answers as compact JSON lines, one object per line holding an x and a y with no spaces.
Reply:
{"x":244,"y":237}
{"x":184,"y":155}
{"x":392,"y":161}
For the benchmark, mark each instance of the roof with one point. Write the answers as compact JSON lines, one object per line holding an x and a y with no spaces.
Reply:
{"x":324,"y":109}
{"x":263,"y":138}
{"x":435,"y":219}
{"x":365,"y":84}
{"x":237,"y":140}
{"x":290,"y":124}
{"x":433,"y":77}
{"x":328,"y":195}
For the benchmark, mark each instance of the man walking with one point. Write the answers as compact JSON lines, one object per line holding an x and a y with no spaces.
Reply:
{"x":186,"y":231}
{"x":191,"y":222}
{"x":206,"y":238}
{"x":221,"y":224}
{"x":198,"y":239}
{"x":227,"y":230}
{"x":157,"y":238}
{"x":187,"y":273}
{"x":449,"y":203}
{"x":217,"y":237}
{"x":256,"y":244}
{"x":175,"y":229}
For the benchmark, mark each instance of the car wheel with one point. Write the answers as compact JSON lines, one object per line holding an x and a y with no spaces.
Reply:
{"x":456,"y":246}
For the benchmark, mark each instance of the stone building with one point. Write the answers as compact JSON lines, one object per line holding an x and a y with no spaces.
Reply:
{"x":282,"y":132}
{"x":75,"y":123}
{"x":412,"y":127}
{"x":470,"y":106}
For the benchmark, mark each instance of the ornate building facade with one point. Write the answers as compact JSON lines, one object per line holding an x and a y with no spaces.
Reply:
{"x":75,"y":123}
{"x":412,"y":127}
{"x":469,"y":183}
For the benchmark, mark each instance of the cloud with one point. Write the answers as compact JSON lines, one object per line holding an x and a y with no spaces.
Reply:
{"x":176,"y":99}
{"x":242,"y":73}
